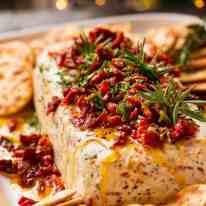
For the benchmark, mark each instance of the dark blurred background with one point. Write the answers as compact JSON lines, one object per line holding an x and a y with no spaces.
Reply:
{"x":17,"y":14}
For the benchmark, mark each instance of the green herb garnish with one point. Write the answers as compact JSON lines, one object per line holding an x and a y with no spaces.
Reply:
{"x":195,"y":38}
{"x":174,"y":103}
{"x":138,"y":60}
{"x":125,"y":86}
{"x":114,"y":89}
{"x":63,"y":82}
{"x":33,"y":121}
{"x":98,"y":101}
{"x":123,"y":109}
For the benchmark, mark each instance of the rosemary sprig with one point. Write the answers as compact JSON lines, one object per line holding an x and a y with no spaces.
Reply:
{"x":195,"y":38}
{"x":174,"y":103}
{"x":87,"y":49}
{"x":138,"y":60}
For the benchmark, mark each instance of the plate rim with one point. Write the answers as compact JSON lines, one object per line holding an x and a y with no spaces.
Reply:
{"x":38,"y":30}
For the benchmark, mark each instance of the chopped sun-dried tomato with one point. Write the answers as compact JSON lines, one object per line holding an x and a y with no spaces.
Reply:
{"x":120,"y":86}
{"x":25,"y":201}
{"x":52,"y":106}
{"x":32,"y":163}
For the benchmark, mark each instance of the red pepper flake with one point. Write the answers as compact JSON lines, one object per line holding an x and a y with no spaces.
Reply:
{"x":124,"y":174}
{"x":52,"y":106}
{"x":25,"y":201}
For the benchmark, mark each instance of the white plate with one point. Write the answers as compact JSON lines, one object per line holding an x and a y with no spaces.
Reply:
{"x":140,"y":23}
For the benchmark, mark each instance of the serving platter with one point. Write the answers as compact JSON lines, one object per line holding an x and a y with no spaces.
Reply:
{"x":9,"y":194}
{"x":139,"y":23}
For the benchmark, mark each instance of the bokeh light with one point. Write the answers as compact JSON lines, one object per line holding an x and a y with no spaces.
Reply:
{"x":199,"y":3}
{"x":62,"y":4}
{"x":100,"y":2}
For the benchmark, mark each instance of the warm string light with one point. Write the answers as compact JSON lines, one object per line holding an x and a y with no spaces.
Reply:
{"x":100,"y":2}
{"x":199,"y":3}
{"x":142,"y":5}
{"x":62,"y":4}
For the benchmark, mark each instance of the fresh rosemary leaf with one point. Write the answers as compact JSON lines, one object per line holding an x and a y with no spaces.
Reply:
{"x":87,"y":49}
{"x":141,"y":54}
{"x":130,"y":58}
{"x":117,"y":52}
{"x":63,"y":82}
{"x":195,"y":114}
{"x":148,"y":71}
{"x":114,"y":89}
{"x":123,"y":109}
{"x":183,"y":56}
{"x":145,"y":69}
{"x":125,"y":86}
{"x":196,"y":101}
{"x":174,"y":102}
{"x":175,"y":112}
{"x":83,"y":81}
{"x":195,"y":38}
{"x":98,"y":101}
{"x":156,"y":96}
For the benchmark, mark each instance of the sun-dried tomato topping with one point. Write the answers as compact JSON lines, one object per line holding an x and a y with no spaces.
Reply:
{"x":183,"y":127}
{"x":52,"y":106}
{"x":119,"y":86}
{"x":25,"y":201}
{"x":32,"y":163}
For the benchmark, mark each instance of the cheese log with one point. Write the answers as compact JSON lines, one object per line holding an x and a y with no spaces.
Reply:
{"x":130,"y":174}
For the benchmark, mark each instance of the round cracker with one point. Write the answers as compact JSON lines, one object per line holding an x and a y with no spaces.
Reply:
{"x":168,"y":37}
{"x":15,"y":85}
{"x":17,"y":49}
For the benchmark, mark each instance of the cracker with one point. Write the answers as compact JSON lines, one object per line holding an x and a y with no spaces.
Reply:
{"x":193,"y":77}
{"x":15,"y":85}
{"x":167,"y":38}
{"x":17,"y":49}
{"x":199,"y":87}
{"x":199,"y":53}
{"x":199,"y":63}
